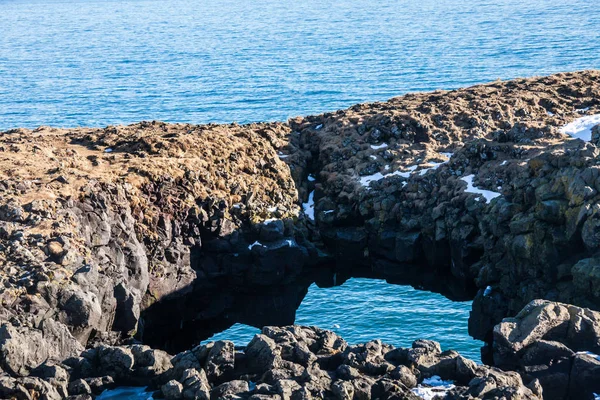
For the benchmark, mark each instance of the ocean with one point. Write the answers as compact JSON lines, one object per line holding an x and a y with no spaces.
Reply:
{"x":70,"y":63}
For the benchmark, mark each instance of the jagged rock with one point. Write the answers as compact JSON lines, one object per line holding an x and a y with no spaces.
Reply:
{"x":386,"y":389}
{"x":164,"y":222}
{"x":368,"y":358}
{"x":543,"y":342}
{"x":195,"y":385}
{"x":220,"y":360}
{"x":184,"y":361}
{"x":100,"y":384}
{"x":231,"y":388}
{"x":343,"y":390}
{"x":262,"y":353}
{"x":586,"y":276}
{"x":404,"y":375}
{"x":54,"y":374}
{"x":265,"y":397}
{"x":585,"y":376}
{"x":27,"y":388}
{"x":78,"y":387}
{"x":272,"y":231}
{"x":24,"y":348}
{"x":172,"y":390}
{"x":116,"y":362}
{"x":499,"y":384}
{"x":287,"y":388}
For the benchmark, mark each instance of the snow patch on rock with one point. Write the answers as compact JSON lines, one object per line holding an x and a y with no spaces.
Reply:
{"x":366,"y":180}
{"x":381,"y":146}
{"x":581,"y":128}
{"x":257,"y":243}
{"x":309,"y":207}
{"x":488,"y":195}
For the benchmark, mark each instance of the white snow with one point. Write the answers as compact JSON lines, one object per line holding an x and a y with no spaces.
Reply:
{"x":596,"y":396}
{"x":381,"y":146}
{"x":289,"y":242}
{"x":436,"y":165}
{"x":436,"y":387}
{"x":271,"y":209}
{"x":550,"y":113}
{"x":311,"y":178}
{"x":108,"y":150}
{"x":503,"y":162}
{"x":283,"y":155}
{"x":582,"y":110}
{"x":328,"y":211}
{"x":373,"y":157}
{"x":487,"y":194}
{"x":309,"y":207}
{"x":318,"y":127}
{"x":366,"y":180}
{"x":257,"y":243}
{"x":581,"y":128}
{"x":487,"y":291}
{"x":268,"y":221}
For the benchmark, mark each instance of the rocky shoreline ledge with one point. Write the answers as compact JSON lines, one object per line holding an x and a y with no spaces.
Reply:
{"x":161,"y":234}
{"x":540,"y":352}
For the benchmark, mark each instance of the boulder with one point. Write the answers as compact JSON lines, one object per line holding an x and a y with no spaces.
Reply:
{"x":172,"y":390}
{"x":220,"y":360}
{"x":231,"y":388}
{"x":24,"y":348}
{"x":262,"y":353}
{"x":195,"y":385}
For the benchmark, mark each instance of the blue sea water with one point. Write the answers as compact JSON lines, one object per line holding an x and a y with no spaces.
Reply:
{"x":366,"y":309}
{"x":74,"y":63}
{"x":97,"y":62}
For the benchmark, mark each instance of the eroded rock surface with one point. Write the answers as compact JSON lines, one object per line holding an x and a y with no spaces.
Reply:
{"x":161,"y":232}
{"x":555,"y":343}
{"x":293,"y":362}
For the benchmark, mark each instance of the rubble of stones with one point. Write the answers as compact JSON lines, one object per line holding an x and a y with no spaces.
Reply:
{"x":100,"y":227}
{"x":546,"y":352}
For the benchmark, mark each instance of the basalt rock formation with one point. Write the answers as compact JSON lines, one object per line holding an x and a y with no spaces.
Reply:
{"x":163,"y":233}
{"x":293,"y":362}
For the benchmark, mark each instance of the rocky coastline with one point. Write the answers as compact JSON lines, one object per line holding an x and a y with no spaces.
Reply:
{"x":123,"y":246}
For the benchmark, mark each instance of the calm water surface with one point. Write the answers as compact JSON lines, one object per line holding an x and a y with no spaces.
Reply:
{"x":365,"y":309}
{"x":93,"y":63}
{"x":98,"y":62}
